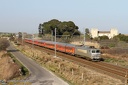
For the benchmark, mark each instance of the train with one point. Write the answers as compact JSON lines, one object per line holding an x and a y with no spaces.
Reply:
{"x":86,"y":52}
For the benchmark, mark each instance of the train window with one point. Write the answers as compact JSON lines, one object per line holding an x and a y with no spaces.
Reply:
{"x":93,"y":51}
{"x":97,"y":51}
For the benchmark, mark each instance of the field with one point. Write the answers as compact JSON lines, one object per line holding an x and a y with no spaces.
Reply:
{"x":114,"y":52}
{"x":117,"y":56}
{"x":9,"y":69}
{"x":69,"y":71}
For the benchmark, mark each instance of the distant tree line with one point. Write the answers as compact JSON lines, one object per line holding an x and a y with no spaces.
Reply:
{"x":62,"y":28}
{"x":121,"y":37}
{"x":69,"y":28}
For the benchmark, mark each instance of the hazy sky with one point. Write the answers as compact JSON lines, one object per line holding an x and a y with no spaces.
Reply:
{"x":25,"y":15}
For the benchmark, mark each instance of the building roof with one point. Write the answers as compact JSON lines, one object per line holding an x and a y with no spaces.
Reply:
{"x":103,"y":31}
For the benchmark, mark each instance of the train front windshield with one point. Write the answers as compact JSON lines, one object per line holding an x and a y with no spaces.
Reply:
{"x":95,"y":51}
{"x":95,"y":54}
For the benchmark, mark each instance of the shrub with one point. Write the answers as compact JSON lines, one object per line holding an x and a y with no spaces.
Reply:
{"x":112,"y":45}
{"x":4,"y":43}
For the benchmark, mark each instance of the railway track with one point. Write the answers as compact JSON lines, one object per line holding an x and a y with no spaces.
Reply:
{"x":106,"y":68}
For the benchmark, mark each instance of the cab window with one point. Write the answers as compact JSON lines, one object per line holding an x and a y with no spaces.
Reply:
{"x":97,"y":51}
{"x":93,"y":51}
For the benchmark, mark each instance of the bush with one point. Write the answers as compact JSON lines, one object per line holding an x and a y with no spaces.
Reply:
{"x":112,"y":45}
{"x":4,"y":43}
{"x":24,"y":70}
{"x":103,"y":37}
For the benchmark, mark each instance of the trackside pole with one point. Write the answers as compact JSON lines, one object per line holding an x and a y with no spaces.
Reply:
{"x":55,"y":42}
{"x":84,"y":37}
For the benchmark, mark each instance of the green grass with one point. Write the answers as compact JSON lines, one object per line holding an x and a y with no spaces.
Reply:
{"x":113,"y":60}
{"x":109,"y":60}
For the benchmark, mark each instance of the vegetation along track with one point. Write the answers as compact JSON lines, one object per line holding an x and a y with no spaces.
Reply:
{"x":106,"y":68}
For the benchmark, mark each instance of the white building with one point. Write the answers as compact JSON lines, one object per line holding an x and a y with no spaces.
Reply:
{"x":95,"y":33}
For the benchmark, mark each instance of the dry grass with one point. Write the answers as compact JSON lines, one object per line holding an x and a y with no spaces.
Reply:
{"x":8,"y":69}
{"x":116,"y":56}
{"x":70,"y":71}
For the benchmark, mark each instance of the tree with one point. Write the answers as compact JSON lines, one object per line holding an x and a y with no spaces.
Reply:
{"x":12,"y":37}
{"x":47,"y":27}
{"x":122,"y":37}
{"x":87,"y":31}
{"x":4,"y":43}
{"x":20,"y":35}
{"x":62,"y":27}
{"x":103,"y":37}
{"x":40,"y":30}
{"x":87,"y":34}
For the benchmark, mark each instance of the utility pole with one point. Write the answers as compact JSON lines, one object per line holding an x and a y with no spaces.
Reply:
{"x":84,"y":36}
{"x":22,"y":37}
{"x":51,"y":35}
{"x":32,"y":41}
{"x":55,"y":42}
